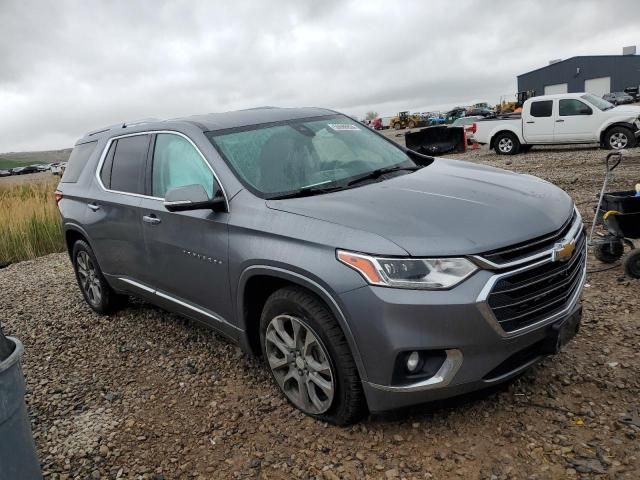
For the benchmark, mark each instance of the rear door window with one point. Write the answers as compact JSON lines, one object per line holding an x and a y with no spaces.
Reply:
{"x":78,"y":159}
{"x":542,"y":108}
{"x":129,"y":159}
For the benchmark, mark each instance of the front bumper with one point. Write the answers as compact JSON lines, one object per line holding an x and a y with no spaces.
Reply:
{"x":386,"y":322}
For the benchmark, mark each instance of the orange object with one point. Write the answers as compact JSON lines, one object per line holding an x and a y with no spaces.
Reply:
{"x":362,"y":264}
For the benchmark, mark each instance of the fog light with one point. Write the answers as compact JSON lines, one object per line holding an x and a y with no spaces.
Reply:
{"x":412,"y":362}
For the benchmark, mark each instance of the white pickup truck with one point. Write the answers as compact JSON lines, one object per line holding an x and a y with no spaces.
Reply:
{"x":562,"y":119}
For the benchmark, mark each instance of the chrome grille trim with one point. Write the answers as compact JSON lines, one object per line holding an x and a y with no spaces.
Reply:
{"x":568,"y":299}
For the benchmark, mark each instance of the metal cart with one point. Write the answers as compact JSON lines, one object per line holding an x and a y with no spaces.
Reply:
{"x":619,"y":213}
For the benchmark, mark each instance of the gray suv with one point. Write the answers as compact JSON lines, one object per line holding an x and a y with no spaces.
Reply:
{"x":368,"y":277}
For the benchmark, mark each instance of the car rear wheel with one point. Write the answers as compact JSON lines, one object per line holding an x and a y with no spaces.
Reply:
{"x":94,"y":287}
{"x":619,"y":138}
{"x":309,"y":358}
{"x":506,"y":144}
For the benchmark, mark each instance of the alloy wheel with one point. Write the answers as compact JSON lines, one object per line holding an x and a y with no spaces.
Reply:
{"x":505,"y":145}
{"x":618,"y":141}
{"x":300,"y":364}
{"x":88,"y":275}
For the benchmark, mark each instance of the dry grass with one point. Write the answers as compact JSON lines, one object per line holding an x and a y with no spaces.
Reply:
{"x":29,"y":222}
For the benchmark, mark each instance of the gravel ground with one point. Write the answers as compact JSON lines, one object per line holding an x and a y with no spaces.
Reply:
{"x":145,"y":394}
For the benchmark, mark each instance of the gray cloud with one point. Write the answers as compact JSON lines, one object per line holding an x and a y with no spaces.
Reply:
{"x":67,"y":67}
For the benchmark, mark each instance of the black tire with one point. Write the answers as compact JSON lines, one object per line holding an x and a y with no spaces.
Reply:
{"x":619,"y":138}
{"x":506,"y":143}
{"x":397,"y":126}
{"x":609,"y":251}
{"x":348,"y":404}
{"x":632,"y":264}
{"x":411,"y":124}
{"x":109,"y":301}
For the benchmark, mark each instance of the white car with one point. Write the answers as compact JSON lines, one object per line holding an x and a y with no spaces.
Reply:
{"x":562,"y":119}
{"x":58,"y":168}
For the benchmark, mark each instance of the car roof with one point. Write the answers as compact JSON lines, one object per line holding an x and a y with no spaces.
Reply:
{"x":218,"y":121}
{"x":559,"y":95}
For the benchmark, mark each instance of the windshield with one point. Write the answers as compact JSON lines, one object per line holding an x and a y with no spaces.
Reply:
{"x":597,"y":102}
{"x":273,"y":160}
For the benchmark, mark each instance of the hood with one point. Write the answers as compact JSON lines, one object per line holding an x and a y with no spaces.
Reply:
{"x":626,"y":110}
{"x":447,"y":208}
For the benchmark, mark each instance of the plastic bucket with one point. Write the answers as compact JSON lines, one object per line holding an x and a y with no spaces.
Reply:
{"x":18,"y":457}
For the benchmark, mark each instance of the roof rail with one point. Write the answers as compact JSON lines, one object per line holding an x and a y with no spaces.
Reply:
{"x":103,"y":129}
{"x":142,"y":121}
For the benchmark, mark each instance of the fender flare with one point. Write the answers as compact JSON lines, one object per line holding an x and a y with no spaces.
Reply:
{"x":303,"y":281}
{"x":608,"y":127}
{"x":77,"y":228}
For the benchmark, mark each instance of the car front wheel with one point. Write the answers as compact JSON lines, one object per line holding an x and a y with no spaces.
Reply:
{"x":619,"y":138}
{"x":309,"y":358}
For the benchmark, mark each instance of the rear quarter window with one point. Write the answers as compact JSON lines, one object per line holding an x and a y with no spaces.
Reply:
{"x":77,"y":161}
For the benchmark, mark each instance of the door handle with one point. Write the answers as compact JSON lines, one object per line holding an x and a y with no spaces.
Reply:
{"x":93,"y":207}
{"x":559,"y":121}
{"x":152,"y":219}
{"x":531,"y":121}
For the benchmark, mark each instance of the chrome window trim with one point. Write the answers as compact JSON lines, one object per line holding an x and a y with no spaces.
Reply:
{"x":571,"y":234}
{"x":155,"y":291}
{"x":442,"y":378}
{"x":487,"y":313}
{"x":105,"y":150}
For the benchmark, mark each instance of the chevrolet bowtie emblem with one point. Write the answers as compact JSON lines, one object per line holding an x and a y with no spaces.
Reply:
{"x":562,"y":251}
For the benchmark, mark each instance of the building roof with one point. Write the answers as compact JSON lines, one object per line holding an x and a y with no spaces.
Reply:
{"x":579,"y":57}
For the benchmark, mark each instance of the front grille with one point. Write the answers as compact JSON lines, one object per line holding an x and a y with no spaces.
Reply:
{"x":527,"y":297}
{"x":531,"y":247}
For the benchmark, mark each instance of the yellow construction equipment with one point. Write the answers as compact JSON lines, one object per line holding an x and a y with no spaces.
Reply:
{"x":404,"y":120}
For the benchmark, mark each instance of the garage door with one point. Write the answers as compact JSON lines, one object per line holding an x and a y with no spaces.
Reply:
{"x":557,"y":88}
{"x":598,"y":86}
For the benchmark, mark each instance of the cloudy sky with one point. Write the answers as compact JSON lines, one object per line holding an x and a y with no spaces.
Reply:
{"x":67,"y":67}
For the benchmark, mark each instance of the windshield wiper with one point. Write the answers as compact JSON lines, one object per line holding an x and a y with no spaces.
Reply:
{"x":375,"y":174}
{"x":307,"y":192}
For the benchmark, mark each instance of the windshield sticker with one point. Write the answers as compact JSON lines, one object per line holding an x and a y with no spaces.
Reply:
{"x":339,"y":127}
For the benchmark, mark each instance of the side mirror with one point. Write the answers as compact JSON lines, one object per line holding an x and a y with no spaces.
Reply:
{"x":193,"y":197}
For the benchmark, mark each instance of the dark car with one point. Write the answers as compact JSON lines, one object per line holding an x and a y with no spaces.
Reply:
{"x":633,"y":92}
{"x":366,"y":275}
{"x":5,"y":173}
{"x":618,"y":98}
{"x":24,"y":170}
{"x":480,"y":111}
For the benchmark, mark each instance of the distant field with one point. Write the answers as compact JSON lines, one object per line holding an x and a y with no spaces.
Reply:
{"x":19,"y":159}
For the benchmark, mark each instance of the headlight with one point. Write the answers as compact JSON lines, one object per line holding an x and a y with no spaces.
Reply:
{"x":412,"y":273}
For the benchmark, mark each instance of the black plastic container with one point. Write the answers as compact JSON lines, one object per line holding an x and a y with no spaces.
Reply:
{"x":623,"y":202}
{"x":625,"y":225}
